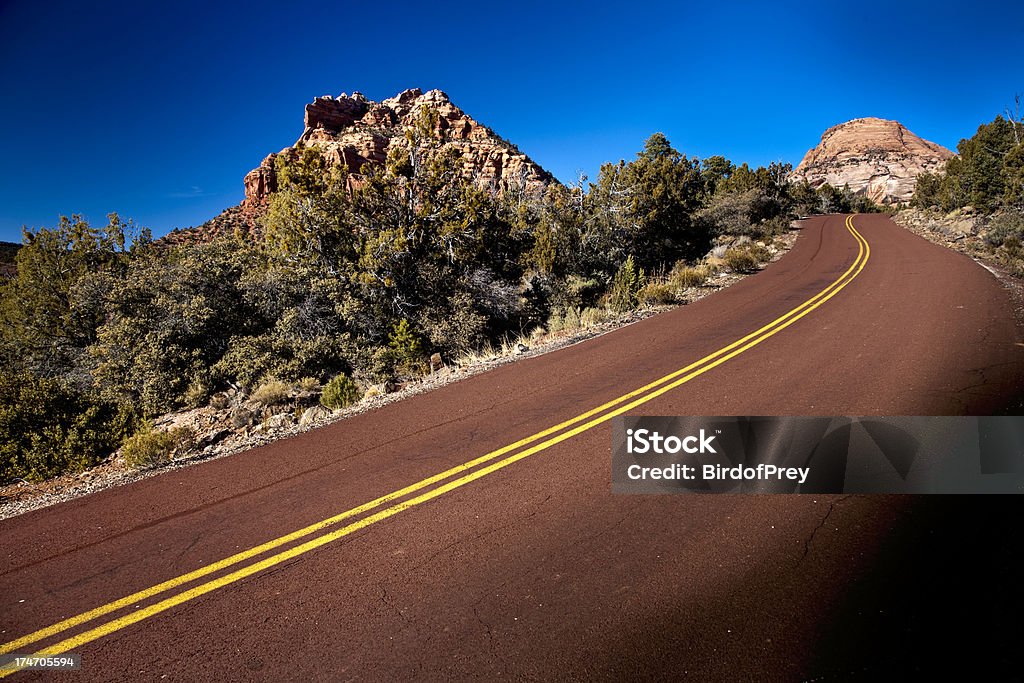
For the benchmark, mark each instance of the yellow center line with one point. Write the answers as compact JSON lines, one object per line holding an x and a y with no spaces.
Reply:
{"x":680,"y":377}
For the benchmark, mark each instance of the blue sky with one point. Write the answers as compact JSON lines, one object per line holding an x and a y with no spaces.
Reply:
{"x":158,"y":112}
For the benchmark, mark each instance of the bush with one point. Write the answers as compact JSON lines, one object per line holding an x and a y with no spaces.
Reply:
{"x":626,"y":286}
{"x":308,"y":384}
{"x":147,"y":448}
{"x":685,"y":277}
{"x":406,"y":348}
{"x":591,"y":317}
{"x":657,"y":294}
{"x":48,"y":428}
{"x":729,"y":213}
{"x":576,"y":290}
{"x":340,"y":392}
{"x":564,"y":321}
{"x":774,"y":227}
{"x":745,"y":259}
{"x":571,"y":321}
{"x":1011,"y":254}
{"x":456,"y":328}
{"x":272,"y":392}
{"x":556,"y":322}
{"x":1005,"y":226}
{"x":760,"y":252}
{"x":197,"y":394}
{"x":166,"y":322}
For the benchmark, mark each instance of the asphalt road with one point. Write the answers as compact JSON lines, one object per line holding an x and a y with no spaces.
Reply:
{"x":526,"y":566}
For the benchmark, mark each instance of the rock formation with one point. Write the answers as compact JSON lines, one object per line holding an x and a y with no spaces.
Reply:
{"x":876,"y":157}
{"x":354,"y":131}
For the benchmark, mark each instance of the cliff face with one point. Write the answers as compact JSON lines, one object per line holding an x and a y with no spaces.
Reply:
{"x":879,"y":158}
{"x":354,"y":131}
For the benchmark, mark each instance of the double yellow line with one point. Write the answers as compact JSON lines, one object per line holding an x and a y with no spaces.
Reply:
{"x":463,"y":474}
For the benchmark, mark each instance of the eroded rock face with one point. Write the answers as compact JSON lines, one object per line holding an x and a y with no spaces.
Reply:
{"x":261,"y":181}
{"x":354,"y":131}
{"x":879,"y":158}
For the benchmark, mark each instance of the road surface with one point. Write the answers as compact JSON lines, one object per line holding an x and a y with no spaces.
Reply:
{"x":306,"y":560}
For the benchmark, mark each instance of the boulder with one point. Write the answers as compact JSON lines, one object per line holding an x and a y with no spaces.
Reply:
{"x":241,"y":417}
{"x":279,"y":421}
{"x":313,"y":414}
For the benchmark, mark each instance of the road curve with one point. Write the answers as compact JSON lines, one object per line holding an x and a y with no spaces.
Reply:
{"x":535,"y":570}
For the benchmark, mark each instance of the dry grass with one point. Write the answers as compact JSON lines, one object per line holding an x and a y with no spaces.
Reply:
{"x":269,"y":393}
{"x":658,"y":294}
{"x":146,"y":447}
{"x":307,"y":384}
{"x":687,"y":277}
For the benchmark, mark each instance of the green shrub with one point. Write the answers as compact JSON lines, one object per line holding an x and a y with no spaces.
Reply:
{"x":197,"y":394}
{"x":1011,"y":254}
{"x":271,"y":392}
{"x":577,"y":290}
{"x":48,"y":428}
{"x":564,"y":320}
{"x":456,"y":327}
{"x":406,"y":348}
{"x":340,"y":392}
{"x":775,"y":226}
{"x":147,"y":447}
{"x":1005,"y":226}
{"x":571,"y":321}
{"x":625,"y":287}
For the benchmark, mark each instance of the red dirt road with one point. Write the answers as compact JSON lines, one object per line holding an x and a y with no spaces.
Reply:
{"x":536,"y":570}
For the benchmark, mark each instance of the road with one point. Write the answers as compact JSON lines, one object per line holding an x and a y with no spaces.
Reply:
{"x":267,"y":565}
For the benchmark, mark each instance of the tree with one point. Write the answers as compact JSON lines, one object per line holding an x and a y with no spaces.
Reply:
{"x":927,"y":191}
{"x":666,"y":188}
{"x":51,"y":310}
{"x":307,"y":218}
{"x":986,"y":173}
{"x":168,"y":321}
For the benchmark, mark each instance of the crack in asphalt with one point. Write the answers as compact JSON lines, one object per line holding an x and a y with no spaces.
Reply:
{"x":487,"y":627}
{"x":191,"y":545}
{"x":491,"y":643}
{"x":609,"y":528}
{"x":387,"y":602}
{"x":482,"y":534}
{"x":814,"y":532}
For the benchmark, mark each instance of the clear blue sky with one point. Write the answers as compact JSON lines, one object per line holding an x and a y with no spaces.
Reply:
{"x":158,"y":112}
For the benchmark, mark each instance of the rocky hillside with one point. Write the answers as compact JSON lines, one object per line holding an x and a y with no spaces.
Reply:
{"x":353,"y":130}
{"x":876,"y":157}
{"x":8,"y":252}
